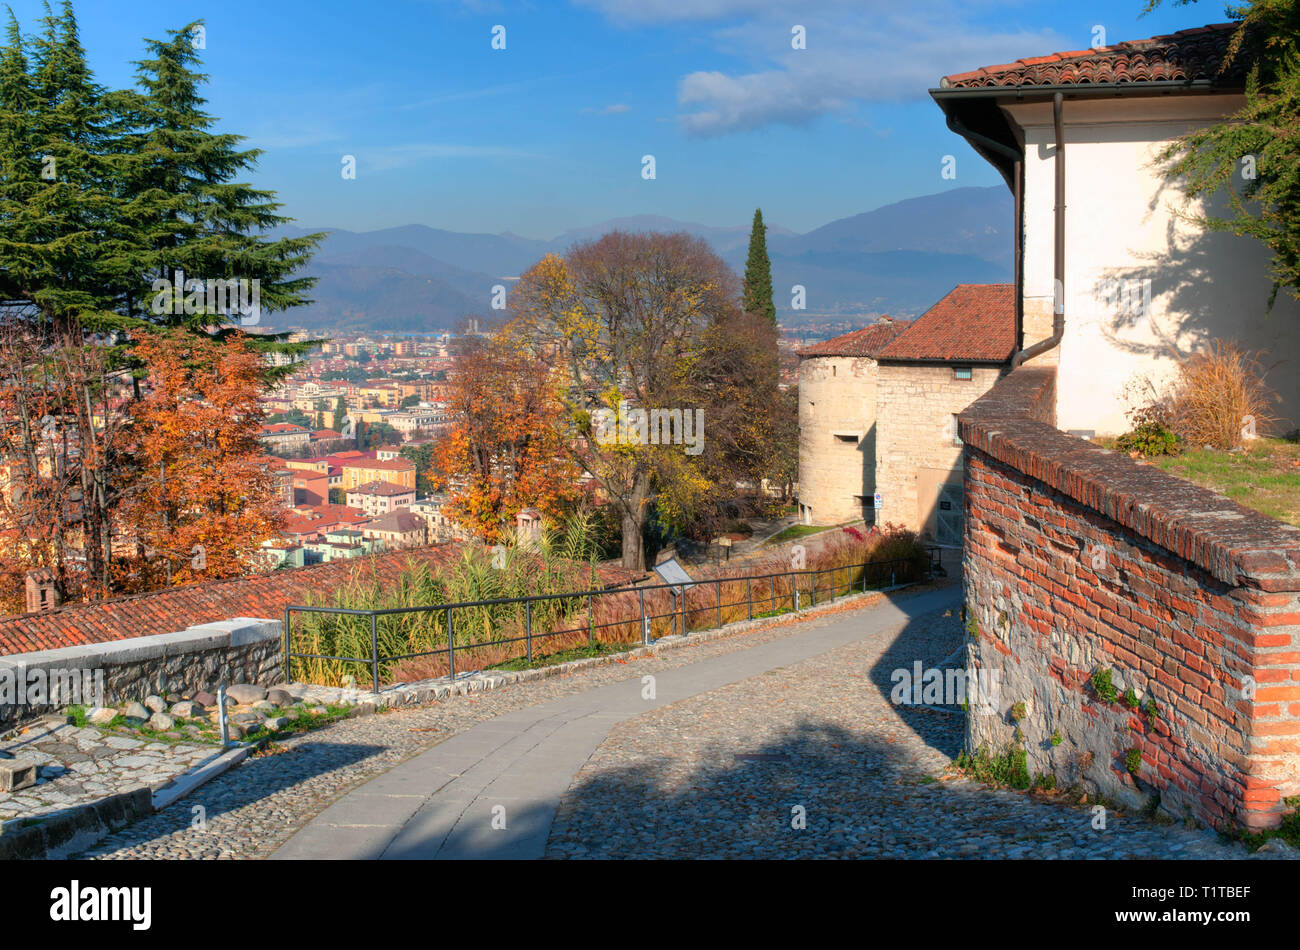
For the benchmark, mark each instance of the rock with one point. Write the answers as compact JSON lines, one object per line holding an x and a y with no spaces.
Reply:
{"x":246,"y":693}
{"x":248,"y":719}
{"x":1276,"y":846}
{"x":204,"y":699}
{"x":173,"y":698}
{"x":101,"y":716}
{"x":191,"y":730}
{"x":236,"y":730}
{"x":276,"y":723}
{"x":161,"y":722}
{"x":290,"y":714}
{"x":155,"y":704}
{"x":135,"y":711}
{"x":173,"y":735}
{"x":280,"y":696}
{"x":318,"y":711}
{"x":264,"y":707}
{"x":185,"y":709}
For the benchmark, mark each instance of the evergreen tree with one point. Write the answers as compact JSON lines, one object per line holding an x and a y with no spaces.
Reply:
{"x":194,"y":218}
{"x":758,"y":273}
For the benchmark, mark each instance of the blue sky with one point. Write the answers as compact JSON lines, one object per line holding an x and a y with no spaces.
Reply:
{"x":549,"y":133}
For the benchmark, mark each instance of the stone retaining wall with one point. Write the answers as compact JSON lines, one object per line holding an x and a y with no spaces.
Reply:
{"x":1079,"y":560}
{"x":242,"y":650}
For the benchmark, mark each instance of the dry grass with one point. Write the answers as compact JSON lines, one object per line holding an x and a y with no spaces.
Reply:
{"x":488,"y":636}
{"x":1221,"y":398}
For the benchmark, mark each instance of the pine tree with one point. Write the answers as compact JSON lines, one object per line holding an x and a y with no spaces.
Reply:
{"x":197,"y":220}
{"x":758,"y":273}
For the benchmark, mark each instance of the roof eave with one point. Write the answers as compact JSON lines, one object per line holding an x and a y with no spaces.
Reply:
{"x":1084,"y":90}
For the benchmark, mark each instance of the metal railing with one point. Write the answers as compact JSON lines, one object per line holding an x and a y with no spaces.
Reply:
{"x":787,"y":591}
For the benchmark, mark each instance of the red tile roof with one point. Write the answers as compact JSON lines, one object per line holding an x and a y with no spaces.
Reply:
{"x":266,"y":595}
{"x":865,"y":342}
{"x":1177,"y":57}
{"x":974,"y":322}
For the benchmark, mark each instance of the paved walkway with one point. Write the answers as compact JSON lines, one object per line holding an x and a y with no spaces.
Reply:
{"x":451,"y":801}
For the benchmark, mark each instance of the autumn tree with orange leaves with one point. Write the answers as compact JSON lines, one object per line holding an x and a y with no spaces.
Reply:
{"x":210,"y":500}
{"x":504,"y":451}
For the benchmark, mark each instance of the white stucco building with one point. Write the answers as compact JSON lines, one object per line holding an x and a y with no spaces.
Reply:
{"x":1142,"y":286}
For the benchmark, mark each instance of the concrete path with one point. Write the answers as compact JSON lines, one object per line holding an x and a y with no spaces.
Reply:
{"x":451,"y":801}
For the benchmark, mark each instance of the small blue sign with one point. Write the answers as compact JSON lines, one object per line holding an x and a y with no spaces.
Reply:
{"x":879,"y":500}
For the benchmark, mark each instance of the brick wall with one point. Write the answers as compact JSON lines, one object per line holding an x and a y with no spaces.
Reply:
{"x":837,"y":394}
{"x":1078,"y":559}
{"x":915,"y":405}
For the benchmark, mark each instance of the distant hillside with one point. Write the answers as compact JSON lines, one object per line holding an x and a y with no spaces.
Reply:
{"x":896,"y":259}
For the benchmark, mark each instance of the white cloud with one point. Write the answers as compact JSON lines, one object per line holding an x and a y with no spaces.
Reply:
{"x":857,"y":51}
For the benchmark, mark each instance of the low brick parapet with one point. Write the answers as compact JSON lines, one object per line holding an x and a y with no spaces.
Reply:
{"x":1079,"y":559}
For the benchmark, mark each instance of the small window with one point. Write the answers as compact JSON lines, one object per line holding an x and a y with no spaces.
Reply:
{"x":846,"y":439}
{"x":961,"y":372}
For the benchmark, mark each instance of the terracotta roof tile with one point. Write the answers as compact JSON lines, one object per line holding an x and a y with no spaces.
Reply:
{"x":973,"y":322}
{"x":1177,"y":57}
{"x":864,"y":342}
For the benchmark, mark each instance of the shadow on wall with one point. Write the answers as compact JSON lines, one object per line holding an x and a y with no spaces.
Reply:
{"x":1192,"y":304}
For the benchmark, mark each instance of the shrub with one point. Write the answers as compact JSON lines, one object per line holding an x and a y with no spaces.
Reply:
{"x":1219,"y":393}
{"x":1102,"y":685}
{"x":1133,"y":760}
{"x":1152,"y":433}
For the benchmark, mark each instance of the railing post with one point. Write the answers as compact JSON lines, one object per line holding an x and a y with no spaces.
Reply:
{"x":374,"y":652}
{"x":591,"y":624}
{"x":794,"y":585}
{"x":286,"y":646}
{"x":528,"y":628}
{"x":645,"y":621}
{"x":451,"y":647}
{"x":749,"y":595}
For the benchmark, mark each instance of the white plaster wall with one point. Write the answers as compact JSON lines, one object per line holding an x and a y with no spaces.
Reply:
{"x":1123,"y":223}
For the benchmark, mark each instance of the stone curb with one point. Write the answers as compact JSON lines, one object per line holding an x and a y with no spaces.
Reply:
{"x":187,"y":782}
{"x":73,"y":829}
{"x":429,"y":691}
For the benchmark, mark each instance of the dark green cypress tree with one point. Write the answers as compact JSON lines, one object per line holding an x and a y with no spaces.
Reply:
{"x":758,"y":273}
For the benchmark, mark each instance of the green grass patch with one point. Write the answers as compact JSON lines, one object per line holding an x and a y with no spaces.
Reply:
{"x":1288,"y":830}
{"x":1008,"y":769}
{"x":797,"y":531}
{"x":1265,"y":477}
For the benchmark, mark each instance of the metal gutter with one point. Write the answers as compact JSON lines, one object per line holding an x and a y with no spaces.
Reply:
{"x":1058,"y":286}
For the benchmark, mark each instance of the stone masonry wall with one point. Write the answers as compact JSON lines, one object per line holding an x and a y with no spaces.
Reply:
{"x":837,"y":394}
{"x":243,"y":650}
{"x":915,"y":405}
{"x":1078,"y":559}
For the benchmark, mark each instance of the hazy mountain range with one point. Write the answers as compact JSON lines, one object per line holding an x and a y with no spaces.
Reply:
{"x":897,"y":259}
